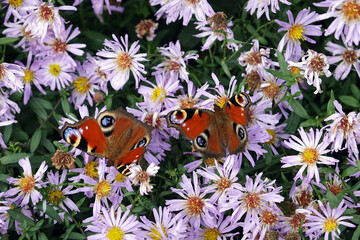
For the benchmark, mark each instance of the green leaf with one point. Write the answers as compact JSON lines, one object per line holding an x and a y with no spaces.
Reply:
{"x":356,"y":235}
{"x":288,"y":78}
{"x":46,"y":104}
{"x":77,"y":236}
{"x":138,"y":209}
{"x":37,"y":226}
{"x":65,"y":105}
{"x":225,"y":68}
{"x":68,"y":232}
{"x":41,"y":236}
{"x":50,"y":211}
{"x":330,"y":106}
{"x":355,"y":91}
{"x":35,"y":140}
{"x":3,"y":177}
{"x":38,"y":109}
{"x":349,"y":171}
{"x":299,"y":109}
{"x":350,"y":101}
{"x":310,"y":123}
{"x":282,"y":63}
{"x":7,"y":133}
{"x":48,"y":145}
{"x":333,"y":200}
{"x":20,"y":217}
{"x":7,"y":40}
{"x":13,"y":158}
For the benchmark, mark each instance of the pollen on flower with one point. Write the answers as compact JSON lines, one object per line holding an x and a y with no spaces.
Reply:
{"x":268,"y":218}
{"x":55,"y":196}
{"x":223,"y":184}
{"x":296,"y":221}
{"x":124,"y":61}
{"x":221,"y":101}
{"x":271,"y":235}
{"x":27,"y":184}
{"x":2,"y":72}
{"x":82,"y":85}
{"x":158,"y":92}
{"x":115,"y":233}
{"x":91,"y":170}
{"x":63,"y":160}
{"x":253,"y":58}
{"x":273,"y":135}
{"x":150,"y":120}
{"x":154,"y":234}
{"x":345,"y":126}
{"x":172,"y":66}
{"x":253,"y":80}
{"x":272,"y":91}
{"x":29,"y":76}
{"x":252,"y":200}
{"x":211,"y":234}
{"x":351,"y":11}
{"x":55,"y":69}
{"x":102,"y":189}
{"x":317,"y":64}
{"x":210,"y":161}
{"x":330,"y":224}
{"x":194,"y":206}
{"x":218,"y":21}
{"x":46,"y":13}
{"x":193,"y":1}
{"x":120,"y":177}
{"x":350,"y":56}
{"x":59,"y":46}
{"x":335,"y":188}
{"x":304,"y":198}
{"x":16,"y":3}
{"x":310,"y":155}
{"x":296,"y":33}
{"x":187,"y":102}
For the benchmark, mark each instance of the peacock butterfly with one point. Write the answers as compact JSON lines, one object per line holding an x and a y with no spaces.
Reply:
{"x":217,"y":133}
{"x":114,"y":134}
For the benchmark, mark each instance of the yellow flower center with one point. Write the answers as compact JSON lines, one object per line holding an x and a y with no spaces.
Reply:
{"x":16,"y":3}
{"x":120,"y":177}
{"x":91,"y":170}
{"x":158,"y":92}
{"x":210,"y":161}
{"x":221,"y":101}
{"x":82,"y":85}
{"x":102,"y":189}
{"x":310,"y":155}
{"x":351,"y":11}
{"x":55,"y":69}
{"x":29,"y":76}
{"x":115,"y":233}
{"x":252,"y":200}
{"x":296,"y":33}
{"x":154,"y":234}
{"x":55,"y":196}
{"x":46,"y":13}
{"x":211,"y":234}
{"x":27,"y":184}
{"x":330,"y":224}
{"x":194,"y":206}
{"x":124,"y":61}
{"x":273,"y":136}
{"x":2,"y":72}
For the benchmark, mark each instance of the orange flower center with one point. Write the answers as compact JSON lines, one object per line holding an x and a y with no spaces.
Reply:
{"x":124,"y":61}
{"x":351,"y":11}
{"x":194,"y":206}
{"x":252,"y":200}
{"x":27,"y":184}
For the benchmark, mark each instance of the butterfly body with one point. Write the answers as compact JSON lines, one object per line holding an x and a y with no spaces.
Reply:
{"x":115,"y":135}
{"x":214,"y":133}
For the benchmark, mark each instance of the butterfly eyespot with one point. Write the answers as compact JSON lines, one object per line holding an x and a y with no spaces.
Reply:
{"x":107,"y":121}
{"x":141,"y":143}
{"x":72,"y":136}
{"x":240,"y":131}
{"x":178,"y":117}
{"x":242,"y":100}
{"x":201,"y":141}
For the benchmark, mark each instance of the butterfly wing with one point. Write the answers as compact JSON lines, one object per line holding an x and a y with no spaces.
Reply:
{"x":236,"y":111}
{"x":198,"y":125}
{"x":87,"y":136}
{"x":126,"y":135}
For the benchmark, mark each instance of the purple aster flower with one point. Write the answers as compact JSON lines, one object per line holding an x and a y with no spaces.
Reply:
{"x":112,"y":224}
{"x":220,"y":227}
{"x":296,"y":31}
{"x":302,"y":195}
{"x":224,"y":179}
{"x":56,"y":71}
{"x":185,"y":9}
{"x":59,"y":44}
{"x":58,"y":195}
{"x":257,"y":59}
{"x":346,"y":22}
{"x":28,"y":41}
{"x":121,"y":61}
{"x":10,"y":75}
{"x":344,"y":127}
{"x":193,"y":97}
{"x":174,"y":62}
{"x":348,"y":56}
{"x":353,"y":161}
{"x":45,"y":16}
{"x":92,"y":65}
{"x":263,"y":7}
{"x":166,"y":226}
{"x":26,"y":187}
{"x":218,"y":29}
{"x":311,"y":153}
{"x":251,"y":199}
{"x":313,"y":66}
{"x":326,"y":221}
{"x":7,"y":110}
{"x":84,"y":86}
{"x":139,"y":176}
{"x":194,"y":207}
{"x":277,"y":134}
{"x":162,"y":92}
{"x":31,"y":77}
{"x":17,"y":8}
